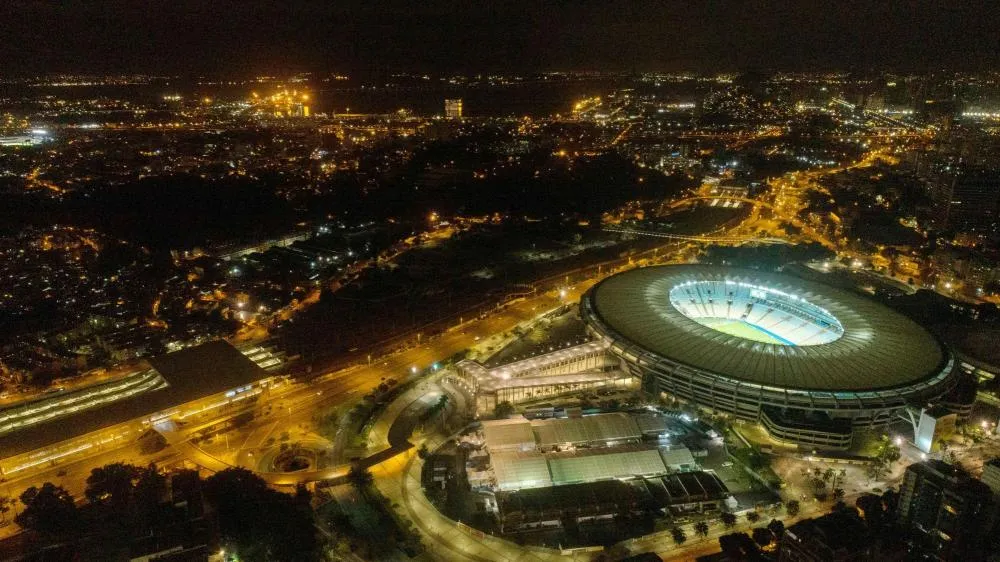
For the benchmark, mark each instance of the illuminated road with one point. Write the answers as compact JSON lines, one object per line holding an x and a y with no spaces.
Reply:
{"x":73,"y":475}
{"x":707,"y":239}
{"x":297,"y":404}
{"x":663,"y":544}
{"x":398,"y":478}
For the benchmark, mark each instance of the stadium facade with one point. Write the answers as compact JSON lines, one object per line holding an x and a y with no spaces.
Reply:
{"x":812,"y":364}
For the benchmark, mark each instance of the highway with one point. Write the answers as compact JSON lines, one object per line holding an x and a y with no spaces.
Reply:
{"x":706,"y":239}
{"x":296,"y":403}
{"x":297,"y":406}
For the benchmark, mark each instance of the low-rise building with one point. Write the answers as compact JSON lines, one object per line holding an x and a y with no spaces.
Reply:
{"x":67,"y":424}
{"x":571,"y":370}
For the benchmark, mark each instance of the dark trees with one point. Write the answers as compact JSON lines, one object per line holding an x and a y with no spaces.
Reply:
{"x":257,"y":522}
{"x":49,"y":510}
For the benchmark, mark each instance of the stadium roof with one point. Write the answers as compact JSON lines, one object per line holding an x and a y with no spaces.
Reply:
{"x":190,"y":373}
{"x":880,"y":348}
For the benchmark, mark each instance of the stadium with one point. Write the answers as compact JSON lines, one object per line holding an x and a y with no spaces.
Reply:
{"x":810,"y":363}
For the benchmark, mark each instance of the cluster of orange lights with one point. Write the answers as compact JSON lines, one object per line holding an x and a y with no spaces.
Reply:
{"x":283,"y":96}
{"x":283,"y":103}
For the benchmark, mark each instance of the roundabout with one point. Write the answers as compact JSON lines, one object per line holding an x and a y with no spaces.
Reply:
{"x":293,"y":459}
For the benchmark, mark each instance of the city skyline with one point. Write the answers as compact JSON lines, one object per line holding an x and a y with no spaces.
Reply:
{"x":609,"y":282}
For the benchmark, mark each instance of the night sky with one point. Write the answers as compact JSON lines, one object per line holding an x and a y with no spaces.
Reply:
{"x":249,"y":36}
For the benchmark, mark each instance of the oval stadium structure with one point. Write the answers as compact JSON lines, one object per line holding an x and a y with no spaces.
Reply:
{"x":811,"y":363}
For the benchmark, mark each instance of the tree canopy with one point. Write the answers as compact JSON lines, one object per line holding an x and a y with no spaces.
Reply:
{"x":765,"y":257}
{"x":48,"y":510}
{"x":258,"y":523}
{"x":503,"y":410}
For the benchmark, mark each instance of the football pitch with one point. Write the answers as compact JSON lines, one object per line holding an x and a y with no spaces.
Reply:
{"x":743,"y":330}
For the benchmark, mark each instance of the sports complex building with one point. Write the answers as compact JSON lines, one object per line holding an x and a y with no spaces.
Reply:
{"x":589,"y":469}
{"x":809,"y":362}
{"x":578,"y":369}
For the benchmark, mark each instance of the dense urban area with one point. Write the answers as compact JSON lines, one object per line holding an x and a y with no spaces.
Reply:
{"x":416,"y":316}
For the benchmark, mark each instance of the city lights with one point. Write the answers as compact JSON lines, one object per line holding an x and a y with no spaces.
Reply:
{"x":317,"y":283}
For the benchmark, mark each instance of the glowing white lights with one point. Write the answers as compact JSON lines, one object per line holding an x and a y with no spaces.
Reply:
{"x":755,"y":312}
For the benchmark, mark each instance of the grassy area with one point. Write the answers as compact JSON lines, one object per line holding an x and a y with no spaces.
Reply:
{"x":697,"y":219}
{"x":752,"y":457}
{"x":865,"y":442}
{"x":370,"y":529}
{"x":758,"y":462}
{"x":756,"y":435}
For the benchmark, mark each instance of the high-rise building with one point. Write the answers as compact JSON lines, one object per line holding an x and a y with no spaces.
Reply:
{"x":991,"y":477}
{"x":941,"y":113}
{"x":453,"y":108}
{"x":949,"y":506}
{"x":966,"y":198}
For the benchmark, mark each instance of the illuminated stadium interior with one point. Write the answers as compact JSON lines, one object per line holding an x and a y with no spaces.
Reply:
{"x":755,"y":312}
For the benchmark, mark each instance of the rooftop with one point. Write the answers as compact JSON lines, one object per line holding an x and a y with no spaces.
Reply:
{"x":521,"y":470}
{"x":835,"y":533}
{"x":189,"y":374}
{"x":492,"y":384}
{"x":538,"y":362}
{"x":593,"y":465}
{"x":588,"y":429}
{"x":520,"y":433}
{"x":514,"y":433}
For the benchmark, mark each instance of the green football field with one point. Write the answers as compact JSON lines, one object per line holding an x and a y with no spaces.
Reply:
{"x":740,"y":329}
